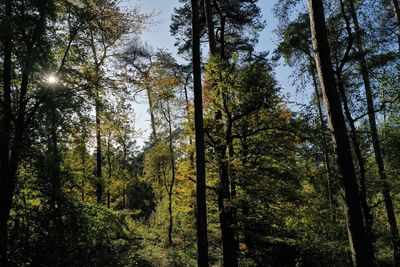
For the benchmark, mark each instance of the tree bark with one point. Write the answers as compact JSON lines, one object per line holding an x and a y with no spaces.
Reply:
{"x":229,"y":244}
{"x":97,"y":100}
{"x":171,"y":185}
{"x":210,"y":26}
{"x":99,"y":157}
{"x":368,"y":218}
{"x":374,"y":136}
{"x":337,"y":125}
{"x":201,"y":206}
{"x":5,"y":179}
{"x":109,"y":169}
{"x":324,"y":141}
{"x":5,"y":175}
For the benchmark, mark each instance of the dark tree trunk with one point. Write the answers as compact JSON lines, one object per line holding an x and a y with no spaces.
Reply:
{"x":375,"y":138}
{"x":368,"y":218}
{"x":355,"y":224}
{"x":227,"y":184}
{"x":210,"y":26}
{"x":83,"y":176}
{"x":201,"y":206}
{"x":5,"y":175}
{"x":229,"y":244}
{"x":97,"y":100}
{"x":109,"y":170}
{"x":171,"y":185}
{"x":55,"y":176}
{"x":99,"y":157}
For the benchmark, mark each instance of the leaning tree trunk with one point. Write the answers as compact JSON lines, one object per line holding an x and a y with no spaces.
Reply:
{"x":368,"y":218}
{"x":375,"y":138}
{"x":201,"y":205}
{"x":337,"y":124}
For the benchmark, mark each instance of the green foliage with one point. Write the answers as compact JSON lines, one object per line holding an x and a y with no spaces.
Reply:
{"x":278,"y":165}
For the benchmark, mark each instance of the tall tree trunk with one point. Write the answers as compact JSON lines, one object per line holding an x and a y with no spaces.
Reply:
{"x":227,"y":183}
{"x":83,"y":174}
{"x":123,"y":171}
{"x":324,"y":141}
{"x":97,"y":100}
{"x":171,"y":185}
{"x":99,"y":156}
{"x":6,"y":178}
{"x":201,"y":206}
{"x":55,"y":175}
{"x":109,"y":170}
{"x":374,"y":136}
{"x":210,"y":26}
{"x":229,"y":243}
{"x":337,"y":125}
{"x":368,"y":218}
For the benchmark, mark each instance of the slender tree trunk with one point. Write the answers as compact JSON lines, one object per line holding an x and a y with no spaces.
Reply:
{"x":152,"y":116}
{"x":229,"y":243}
{"x":123,"y":171}
{"x":324,"y":141}
{"x":55,"y":172}
{"x":99,"y":156}
{"x":5,"y":175}
{"x":210,"y":26}
{"x":171,"y":185}
{"x":375,"y":138}
{"x":337,"y":125}
{"x":83,"y":176}
{"x":109,"y":170}
{"x":201,"y":205}
{"x":368,"y":218}
{"x":227,"y":183}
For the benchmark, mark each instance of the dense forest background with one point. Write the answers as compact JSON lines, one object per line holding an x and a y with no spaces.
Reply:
{"x":232,"y":174}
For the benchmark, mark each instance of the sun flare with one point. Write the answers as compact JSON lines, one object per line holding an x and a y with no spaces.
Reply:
{"x":52,"y":79}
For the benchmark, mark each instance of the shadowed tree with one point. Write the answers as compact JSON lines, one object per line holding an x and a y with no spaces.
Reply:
{"x":337,"y":125}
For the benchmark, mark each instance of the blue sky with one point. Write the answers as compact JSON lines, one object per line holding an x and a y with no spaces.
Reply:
{"x":159,"y":37}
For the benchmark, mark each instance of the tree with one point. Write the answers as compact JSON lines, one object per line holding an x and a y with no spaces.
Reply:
{"x":141,"y":57}
{"x":16,"y":119}
{"x":201,"y":205}
{"x":357,"y":238}
{"x":374,"y":135}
